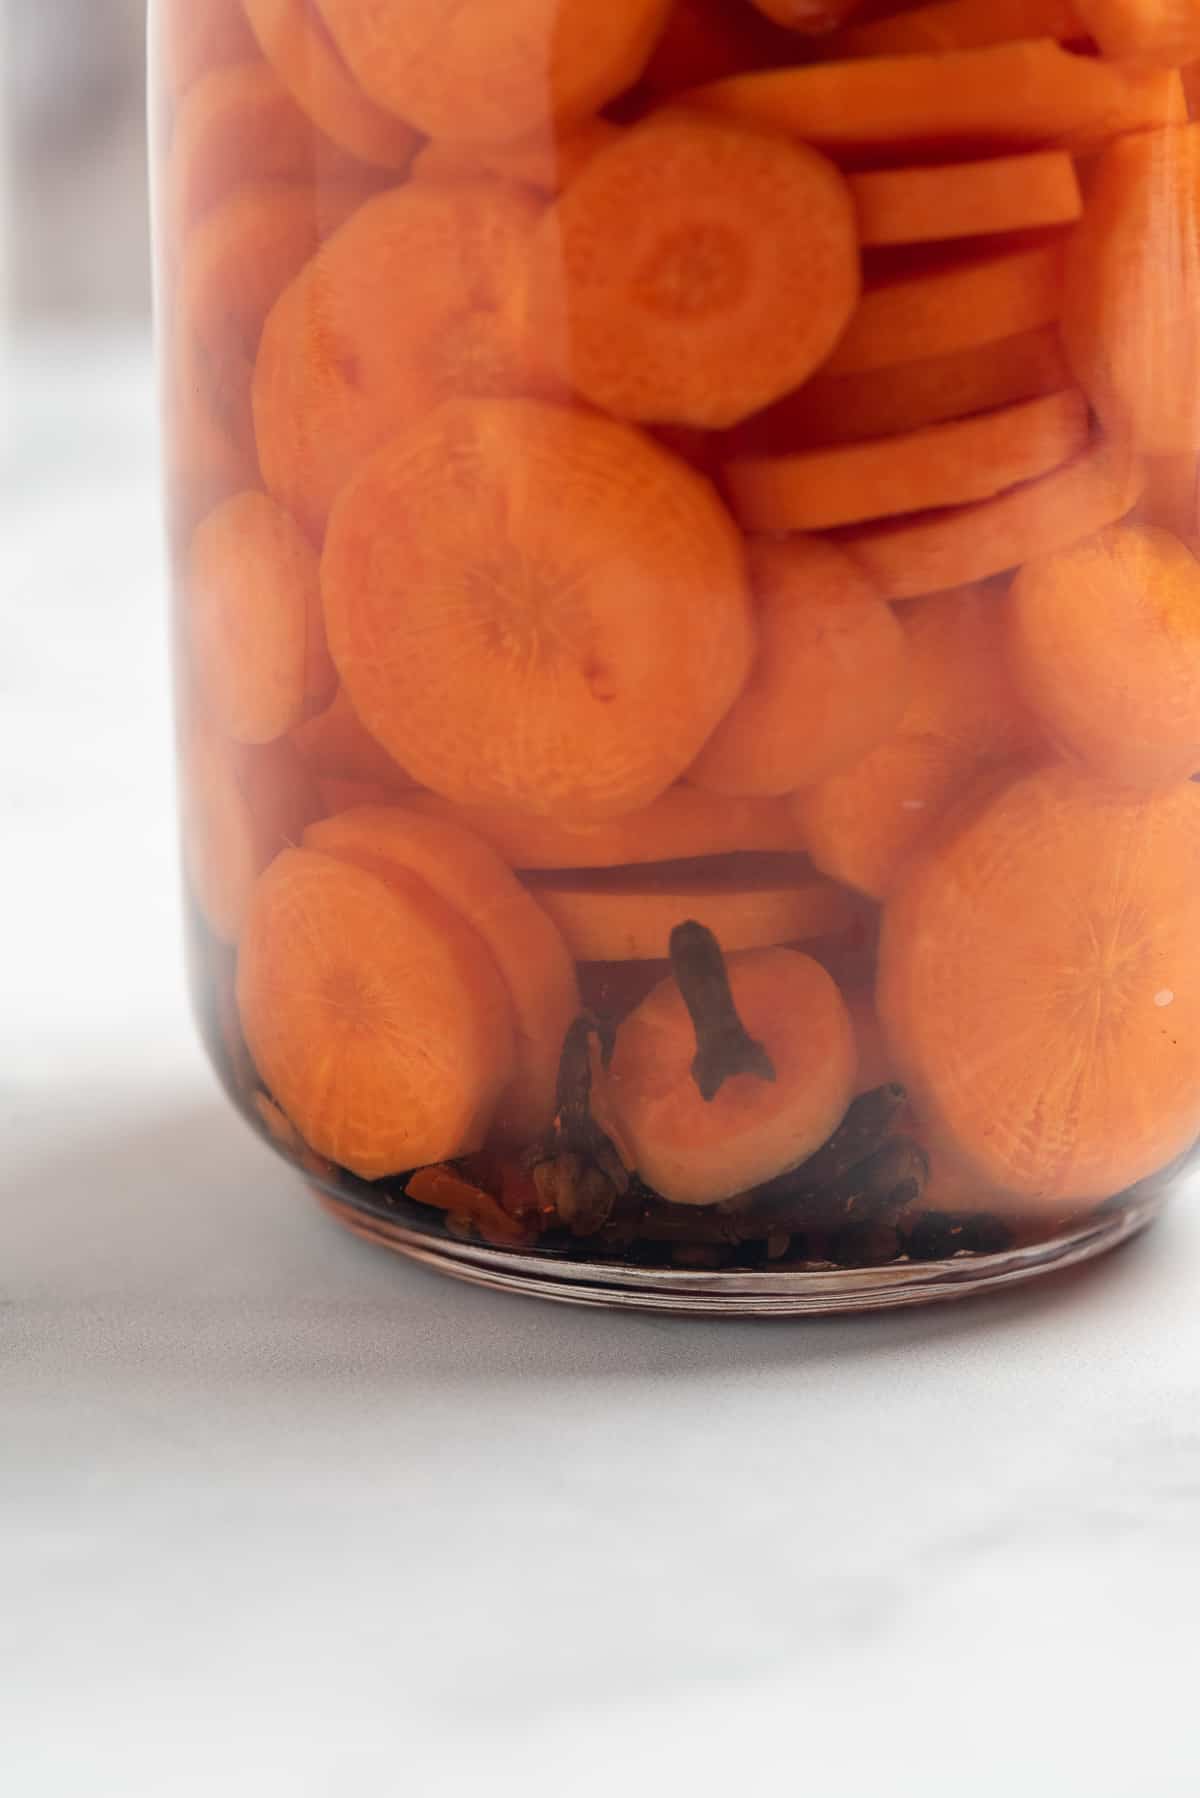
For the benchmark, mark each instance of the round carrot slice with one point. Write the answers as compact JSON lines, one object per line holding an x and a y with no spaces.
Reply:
{"x":966,"y":199}
{"x":908,"y":396}
{"x":680,"y":825}
{"x":1039,"y":986}
{"x":933,"y":311}
{"x":1132,"y":291}
{"x":695,"y":1149}
{"x":944,"y":465}
{"x":969,"y":543}
{"x":374,"y":1013}
{"x":1105,"y":641}
{"x":336,"y":742}
{"x":536,"y":608}
{"x":961,"y":25}
{"x":194,"y":39}
{"x":253,"y":600}
{"x":748,"y":902}
{"x":528,"y":950}
{"x":340,"y":372}
{"x":481,"y":72}
{"x":694,"y":271}
{"x":307,"y":61}
{"x":829,"y":679}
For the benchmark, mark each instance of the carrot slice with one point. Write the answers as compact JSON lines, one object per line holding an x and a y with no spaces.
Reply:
{"x":680,"y":825}
{"x":908,"y":396}
{"x":547,"y":161}
{"x":338,"y":374}
{"x":1054,"y":1038}
{"x":962,"y":25}
{"x":239,"y":807}
{"x":829,"y":679}
{"x":964,"y":302}
{"x":307,"y":61}
{"x":1132,"y":292}
{"x":253,"y":602}
{"x":513,"y":561}
{"x":694,"y":272}
{"x":1032,"y":92}
{"x":481,"y":72}
{"x":1152,"y":33}
{"x":529,"y":952}
{"x":194,"y":39}
{"x":375,"y":1014}
{"x":947,"y":549}
{"x":336,"y":742}
{"x":1105,"y":640}
{"x":945,"y":465}
{"x":966,"y":199}
{"x":748,"y":902}
{"x":697,"y":1151}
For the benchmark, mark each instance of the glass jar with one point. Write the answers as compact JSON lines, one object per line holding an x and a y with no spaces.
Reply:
{"x":683,"y":518}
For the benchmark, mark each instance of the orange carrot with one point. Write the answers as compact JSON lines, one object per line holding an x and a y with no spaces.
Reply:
{"x":253,"y":604}
{"x":307,"y":61}
{"x":962,"y":25}
{"x":1105,"y":640}
{"x":829,"y":679}
{"x":374,"y":1013}
{"x":681,"y":824}
{"x":483,"y":73}
{"x":513,"y":560}
{"x":697,"y":1147}
{"x":945,"y":465}
{"x":908,"y":396}
{"x":966,"y":199}
{"x":1003,"y":95}
{"x":529,"y":952}
{"x":1132,"y":291}
{"x":753,"y":901}
{"x":336,"y":377}
{"x":964,"y":302}
{"x":1055,"y":1043}
{"x":694,"y":271}
{"x":336,"y":742}
{"x":947,"y":549}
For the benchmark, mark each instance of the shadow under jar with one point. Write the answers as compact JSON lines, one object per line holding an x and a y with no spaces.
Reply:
{"x":687,"y":617}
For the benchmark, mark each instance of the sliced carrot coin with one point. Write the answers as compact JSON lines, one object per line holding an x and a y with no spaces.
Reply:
{"x":1105,"y":641}
{"x":683,"y":823}
{"x":306,"y":59}
{"x":1132,"y":291}
{"x":961,"y":25}
{"x":336,"y":743}
{"x":1151,"y":33}
{"x":534,"y":961}
{"x":253,"y":594}
{"x":1056,"y":1042}
{"x":964,"y":302}
{"x":829,"y":679}
{"x":1011,"y":94}
{"x":483,"y":73}
{"x":239,"y":806}
{"x":547,"y":161}
{"x":537,"y":608}
{"x":947,"y":549}
{"x":697,"y":1150}
{"x":694,"y":271}
{"x":966,"y":199}
{"x":908,"y":396}
{"x":748,"y":902}
{"x":193,"y":39}
{"x":375,"y":1014}
{"x":337,"y":375}
{"x":944,"y":465}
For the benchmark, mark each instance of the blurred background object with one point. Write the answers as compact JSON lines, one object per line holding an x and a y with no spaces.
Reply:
{"x":73,"y":115}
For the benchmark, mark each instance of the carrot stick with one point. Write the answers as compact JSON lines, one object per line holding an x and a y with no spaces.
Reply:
{"x":961,"y":25}
{"x":969,"y":199}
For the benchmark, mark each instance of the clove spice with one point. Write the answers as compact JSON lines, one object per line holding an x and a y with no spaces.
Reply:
{"x":724,"y":1047}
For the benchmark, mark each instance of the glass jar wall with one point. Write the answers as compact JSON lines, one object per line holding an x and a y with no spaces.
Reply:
{"x":684,"y":531}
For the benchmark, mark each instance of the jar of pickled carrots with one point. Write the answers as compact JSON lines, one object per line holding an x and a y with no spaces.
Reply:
{"x":683,"y":519}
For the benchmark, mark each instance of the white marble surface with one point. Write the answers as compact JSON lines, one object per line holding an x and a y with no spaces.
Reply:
{"x":282,"y":1515}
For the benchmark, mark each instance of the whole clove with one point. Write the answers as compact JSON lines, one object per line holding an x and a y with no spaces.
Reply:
{"x":724,"y":1047}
